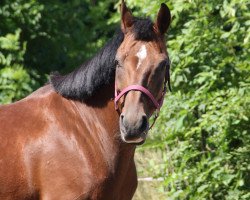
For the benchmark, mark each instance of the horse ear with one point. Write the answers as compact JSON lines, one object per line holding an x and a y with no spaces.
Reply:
{"x":127,"y":19}
{"x":163,"y":19}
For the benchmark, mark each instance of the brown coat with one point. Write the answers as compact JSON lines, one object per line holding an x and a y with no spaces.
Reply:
{"x":54,"y":148}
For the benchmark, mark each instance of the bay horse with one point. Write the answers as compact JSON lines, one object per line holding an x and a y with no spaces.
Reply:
{"x":75,"y":138}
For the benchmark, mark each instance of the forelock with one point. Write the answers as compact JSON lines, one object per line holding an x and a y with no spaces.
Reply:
{"x":143,"y":29}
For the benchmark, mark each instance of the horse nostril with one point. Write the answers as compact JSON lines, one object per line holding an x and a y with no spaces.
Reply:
{"x":144,"y":123}
{"x":122,"y":117}
{"x":134,"y":125}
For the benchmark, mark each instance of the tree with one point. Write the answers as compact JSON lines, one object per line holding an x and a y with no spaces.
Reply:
{"x":38,"y":37}
{"x":203,"y":131}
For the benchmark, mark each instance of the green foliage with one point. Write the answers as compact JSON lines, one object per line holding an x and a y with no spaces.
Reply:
{"x":203,"y":132}
{"x":204,"y":128}
{"x":15,"y":82}
{"x":38,"y":37}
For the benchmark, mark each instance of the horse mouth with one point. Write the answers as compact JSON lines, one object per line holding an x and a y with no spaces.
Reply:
{"x":137,"y":139}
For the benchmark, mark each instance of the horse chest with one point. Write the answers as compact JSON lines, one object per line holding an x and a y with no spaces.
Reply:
{"x":85,"y":171}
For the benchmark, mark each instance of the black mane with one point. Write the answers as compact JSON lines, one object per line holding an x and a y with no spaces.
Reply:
{"x":99,"y":71}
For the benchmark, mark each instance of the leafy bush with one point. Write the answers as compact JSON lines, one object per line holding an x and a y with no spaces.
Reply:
{"x":203,"y":131}
{"x":15,"y":82}
{"x":38,"y":37}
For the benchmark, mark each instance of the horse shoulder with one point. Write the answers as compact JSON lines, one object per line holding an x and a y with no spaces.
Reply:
{"x":21,"y":123}
{"x":51,"y":149}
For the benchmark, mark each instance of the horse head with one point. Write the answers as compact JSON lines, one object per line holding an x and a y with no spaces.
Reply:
{"x":142,"y":72}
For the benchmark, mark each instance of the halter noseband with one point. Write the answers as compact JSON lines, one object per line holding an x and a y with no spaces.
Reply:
{"x":158,"y":104}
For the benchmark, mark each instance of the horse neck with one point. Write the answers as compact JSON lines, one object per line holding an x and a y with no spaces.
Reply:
{"x":103,"y":106}
{"x":101,"y":97}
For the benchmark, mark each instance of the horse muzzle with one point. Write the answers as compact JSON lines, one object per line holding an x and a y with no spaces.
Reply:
{"x":133,"y":128}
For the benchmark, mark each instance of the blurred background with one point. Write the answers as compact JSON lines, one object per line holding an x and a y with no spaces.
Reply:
{"x":199,"y":148}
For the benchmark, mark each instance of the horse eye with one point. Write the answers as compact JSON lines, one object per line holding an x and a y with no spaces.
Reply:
{"x":161,"y":66}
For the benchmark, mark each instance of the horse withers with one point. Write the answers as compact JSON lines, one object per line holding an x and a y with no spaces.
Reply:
{"x":75,"y":138}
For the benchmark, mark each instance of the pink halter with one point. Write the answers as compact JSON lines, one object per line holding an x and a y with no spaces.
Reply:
{"x":157,"y":104}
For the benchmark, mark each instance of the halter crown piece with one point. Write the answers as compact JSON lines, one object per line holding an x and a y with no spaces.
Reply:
{"x":158,"y":104}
